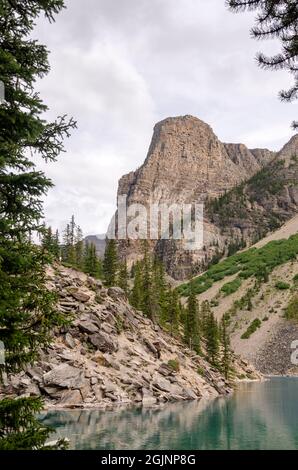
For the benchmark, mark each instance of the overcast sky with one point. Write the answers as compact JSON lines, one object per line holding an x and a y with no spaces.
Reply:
{"x":119,"y":66}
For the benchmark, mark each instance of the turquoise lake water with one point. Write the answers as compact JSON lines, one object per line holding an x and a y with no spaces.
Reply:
{"x":258,"y":416}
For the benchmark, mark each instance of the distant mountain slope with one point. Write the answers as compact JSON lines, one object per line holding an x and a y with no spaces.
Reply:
{"x":264,"y":202}
{"x":99,"y":241}
{"x":261,"y":298}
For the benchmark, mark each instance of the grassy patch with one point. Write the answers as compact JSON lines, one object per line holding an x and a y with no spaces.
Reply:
{"x":281,"y":285}
{"x":254,"y":262}
{"x":174,"y":364}
{"x":291,"y":312}
{"x":252,"y":328}
{"x":201,"y":371}
{"x":231,"y":287}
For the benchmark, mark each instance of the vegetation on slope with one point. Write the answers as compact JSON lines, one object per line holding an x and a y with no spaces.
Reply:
{"x":291,"y":312}
{"x":255,"y":324}
{"x":254,"y":262}
{"x":246,"y":202}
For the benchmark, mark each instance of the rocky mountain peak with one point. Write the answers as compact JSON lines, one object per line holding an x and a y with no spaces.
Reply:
{"x":187,"y":162}
{"x":289,"y":150}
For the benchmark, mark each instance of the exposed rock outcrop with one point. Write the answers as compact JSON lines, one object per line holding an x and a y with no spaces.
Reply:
{"x":186,"y":163}
{"x":111,"y":353}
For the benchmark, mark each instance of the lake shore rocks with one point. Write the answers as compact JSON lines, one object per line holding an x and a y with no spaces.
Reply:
{"x":111,"y":354}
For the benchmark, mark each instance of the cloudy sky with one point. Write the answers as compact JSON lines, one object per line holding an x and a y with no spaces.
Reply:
{"x":119,"y":66}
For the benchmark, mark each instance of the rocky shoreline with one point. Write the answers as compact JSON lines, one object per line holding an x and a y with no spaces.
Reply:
{"x":112,"y":355}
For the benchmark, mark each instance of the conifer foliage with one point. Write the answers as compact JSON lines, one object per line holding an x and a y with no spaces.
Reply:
{"x":27,"y":310}
{"x":152,"y":294}
{"x":276,"y":19}
{"x":73,"y":251}
{"x":192,"y":323}
{"x":226,"y":359}
{"x":110,"y":263}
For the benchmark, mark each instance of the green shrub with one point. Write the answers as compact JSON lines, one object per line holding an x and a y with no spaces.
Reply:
{"x":281,"y":285}
{"x":257,"y":262}
{"x":119,"y":324}
{"x":174,"y":364}
{"x":231,"y":287}
{"x":295,"y":278}
{"x":252,"y":328}
{"x":291,"y":312}
{"x":201,"y":371}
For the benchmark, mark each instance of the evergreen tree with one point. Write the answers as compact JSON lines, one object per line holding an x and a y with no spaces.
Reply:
{"x":79,"y":247}
{"x":173,"y":311}
{"x":50,"y":242}
{"x":110,"y":263}
{"x":160,"y":290}
{"x":226,"y":349}
{"x":69,"y":250}
{"x":123,"y":277}
{"x":212,"y":338}
{"x":276,"y":19}
{"x":56,"y":245}
{"x":205,"y":312}
{"x":148,"y":298}
{"x":191,"y":326}
{"x":72,"y":230}
{"x":65,"y":243}
{"x":92,"y":264}
{"x":136,"y":296}
{"x":19,"y":428}
{"x":28,"y":312}
{"x":262,"y":274}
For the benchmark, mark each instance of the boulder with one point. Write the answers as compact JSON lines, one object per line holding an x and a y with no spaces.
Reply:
{"x":103,"y":342}
{"x":69,"y":341}
{"x":87,"y":326}
{"x":78,"y":294}
{"x":109,"y":329}
{"x":71,"y":397}
{"x":189,"y":394}
{"x":64,"y":376}
{"x":147,"y":397}
{"x":94,"y":284}
{"x":116,"y":293}
{"x":97,"y":392}
{"x":165,"y":369}
{"x":35,"y":373}
{"x":165,"y":385}
{"x":150,"y":346}
{"x":33,"y":390}
{"x":100,"y":359}
{"x":53,"y":392}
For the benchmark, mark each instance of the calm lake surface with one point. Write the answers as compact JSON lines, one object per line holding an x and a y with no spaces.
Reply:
{"x":258,"y":416}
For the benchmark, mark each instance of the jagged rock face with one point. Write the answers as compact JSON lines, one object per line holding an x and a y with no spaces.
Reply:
{"x":264,"y":202}
{"x":290,"y":151}
{"x":112,"y":354}
{"x":186,"y":163}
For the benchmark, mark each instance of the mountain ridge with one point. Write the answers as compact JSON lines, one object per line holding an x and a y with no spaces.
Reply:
{"x":186,"y":163}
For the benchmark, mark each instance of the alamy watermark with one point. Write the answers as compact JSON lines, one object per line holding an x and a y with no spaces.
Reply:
{"x":2,"y":353}
{"x":158,"y":221}
{"x":294,"y":355}
{"x":2,"y":92}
